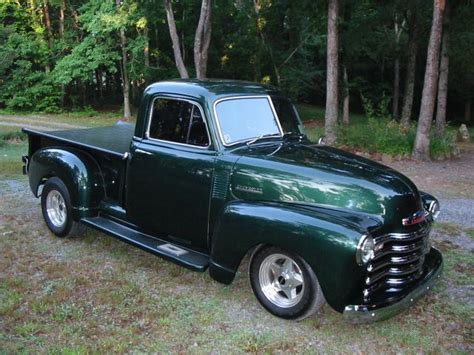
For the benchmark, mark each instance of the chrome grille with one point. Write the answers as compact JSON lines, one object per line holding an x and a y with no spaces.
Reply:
{"x":397,"y":263}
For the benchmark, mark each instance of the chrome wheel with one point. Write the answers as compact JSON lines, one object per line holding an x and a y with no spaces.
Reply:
{"x":56,"y":208}
{"x":281,"y":280}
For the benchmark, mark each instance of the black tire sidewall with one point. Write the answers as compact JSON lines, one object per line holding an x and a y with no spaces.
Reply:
{"x":51,"y":184}
{"x":309,"y":292}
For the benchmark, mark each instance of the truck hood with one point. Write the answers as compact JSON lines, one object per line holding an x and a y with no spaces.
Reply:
{"x":323,"y":176}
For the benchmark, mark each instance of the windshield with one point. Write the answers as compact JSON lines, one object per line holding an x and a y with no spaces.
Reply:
{"x":287,"y":115}
{"x":245,"y":118}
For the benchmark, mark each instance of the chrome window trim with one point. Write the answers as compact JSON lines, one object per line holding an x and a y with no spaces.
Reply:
{"x":221,"y":136}
{"x":147,"y":132}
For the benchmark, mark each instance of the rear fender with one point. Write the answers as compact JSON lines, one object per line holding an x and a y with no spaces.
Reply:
{"x":326,"y":242}
{"x":79,"y":172}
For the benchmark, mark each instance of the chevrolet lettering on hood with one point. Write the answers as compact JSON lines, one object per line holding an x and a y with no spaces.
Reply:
{"x":251,"y":189}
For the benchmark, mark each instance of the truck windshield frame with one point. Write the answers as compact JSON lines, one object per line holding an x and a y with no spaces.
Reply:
{"x":278,"y":134}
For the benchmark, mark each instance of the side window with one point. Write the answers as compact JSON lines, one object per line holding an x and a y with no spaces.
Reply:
{"x":178,"y":121}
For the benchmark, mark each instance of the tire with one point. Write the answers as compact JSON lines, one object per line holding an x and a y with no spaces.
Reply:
{"x":57,"y":209}
{"x":285,"y":284}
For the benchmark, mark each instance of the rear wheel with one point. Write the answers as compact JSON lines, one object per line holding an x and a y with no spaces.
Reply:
{"x":285,"y":284}
{"x":57,"y":209}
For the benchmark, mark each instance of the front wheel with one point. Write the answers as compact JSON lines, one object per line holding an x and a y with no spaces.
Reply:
{"x":57,"y":209}
{"x":285,"y":284}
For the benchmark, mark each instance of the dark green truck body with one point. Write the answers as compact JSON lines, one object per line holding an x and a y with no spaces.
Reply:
{"x":224,"y":201}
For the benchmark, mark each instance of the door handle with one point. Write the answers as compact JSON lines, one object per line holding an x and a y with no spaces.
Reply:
{"x":141,"y":151}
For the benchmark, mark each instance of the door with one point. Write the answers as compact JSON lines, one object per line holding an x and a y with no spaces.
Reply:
{"x":170,"y":173}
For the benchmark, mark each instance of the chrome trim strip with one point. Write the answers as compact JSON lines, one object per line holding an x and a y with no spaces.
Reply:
{"x":402,"y":236}
{"x":147,"y":132}
{"x":221,"y":136}
{"x":362,"y":240}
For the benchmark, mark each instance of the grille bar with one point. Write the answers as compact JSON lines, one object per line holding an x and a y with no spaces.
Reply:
{"x":397,"y":263}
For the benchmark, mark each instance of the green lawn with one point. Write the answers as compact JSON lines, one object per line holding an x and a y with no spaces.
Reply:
{"x":10,"y":159}
{"x":94,"y":294}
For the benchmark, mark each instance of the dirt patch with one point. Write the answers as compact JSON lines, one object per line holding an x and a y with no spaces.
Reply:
{"x":448,"y":178}
{"x":34,"y":122}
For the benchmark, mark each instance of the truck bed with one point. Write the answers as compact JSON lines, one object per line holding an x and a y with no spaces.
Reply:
{"x":114,"y":140}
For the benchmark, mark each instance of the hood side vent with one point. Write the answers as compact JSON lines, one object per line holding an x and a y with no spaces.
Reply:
{"x":220,"y":184}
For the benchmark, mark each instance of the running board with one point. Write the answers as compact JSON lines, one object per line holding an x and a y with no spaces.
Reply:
{"x":183,"y":256}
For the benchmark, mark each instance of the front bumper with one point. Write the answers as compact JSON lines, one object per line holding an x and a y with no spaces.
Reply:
{"x":372,"y":313}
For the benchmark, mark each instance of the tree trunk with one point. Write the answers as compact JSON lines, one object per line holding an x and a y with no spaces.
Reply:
{"x":443,"y":77}
{"x":183,"y":73}
{"x":47,"y":23}
{"x":411,"y":71}
{"x":396,"y":71}
{"x":124,"y":71}
{"x":202,"y":39}
{"x":265,"y":44}
{"x":98,"y":78}
{"x":125,"y":81}
{"x":396,"y":88}
{"x":421,"y":150}
{"x":467,"y":110}
{"x":146,"y":50}
{"x":345,"y":106}
{"x":332,"y":73}
{"x":62,"y":8}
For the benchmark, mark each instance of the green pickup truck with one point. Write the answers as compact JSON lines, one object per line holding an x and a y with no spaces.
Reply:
{"x":216,"y":170}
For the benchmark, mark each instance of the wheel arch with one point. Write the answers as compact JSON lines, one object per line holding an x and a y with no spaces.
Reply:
{"x":79,"y":172}
{"x":325,"y":242}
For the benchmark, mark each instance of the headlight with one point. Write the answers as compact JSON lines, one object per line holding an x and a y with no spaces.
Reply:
{"x":365,"y":249}
{"x":434,"y":209}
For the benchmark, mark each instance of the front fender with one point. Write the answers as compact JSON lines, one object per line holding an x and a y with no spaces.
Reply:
{"x":326,"y":241}
{"x":79,"y":172}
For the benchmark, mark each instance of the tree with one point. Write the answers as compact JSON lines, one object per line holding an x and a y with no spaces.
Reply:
{"x":412,"y":50}
{"x":124,"y":69}
{"x":345,"y":104}
{"x":443,"y":76}
{"x":332,"y":63}
{"x":461,"y":65}
{"x":398,"y":28}
{"x":202,"y":39}
{"x":183,"y":72}
{"x":421,"y":149}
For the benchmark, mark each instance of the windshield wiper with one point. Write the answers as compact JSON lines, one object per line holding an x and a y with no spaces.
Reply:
{"x":252,"y":141}
{"x":294,"y":134}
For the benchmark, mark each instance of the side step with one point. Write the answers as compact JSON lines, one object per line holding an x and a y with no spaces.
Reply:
{"x":183,"y":256}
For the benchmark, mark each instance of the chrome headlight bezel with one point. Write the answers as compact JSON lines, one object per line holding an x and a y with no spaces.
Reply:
{"x":434,"y":209}
{"x":365,"y":249}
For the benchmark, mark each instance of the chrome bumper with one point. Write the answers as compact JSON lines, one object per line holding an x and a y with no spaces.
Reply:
{"x":373,"y":313}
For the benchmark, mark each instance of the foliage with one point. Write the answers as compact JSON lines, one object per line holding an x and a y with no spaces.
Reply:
{"x":75,"y":61}
{"x":378,"y":135}
{"x":379,"y":111}
{"x":389,"y":137}
{"x":16,"y":136}
{"x":99,"y":53}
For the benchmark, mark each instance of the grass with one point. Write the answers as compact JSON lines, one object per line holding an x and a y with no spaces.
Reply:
{"x":132,"y":302}
{"x":94,"y":294}
{"x":310,"y":112}
{"x":10,"y":159}
{"x":79,"y":118}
